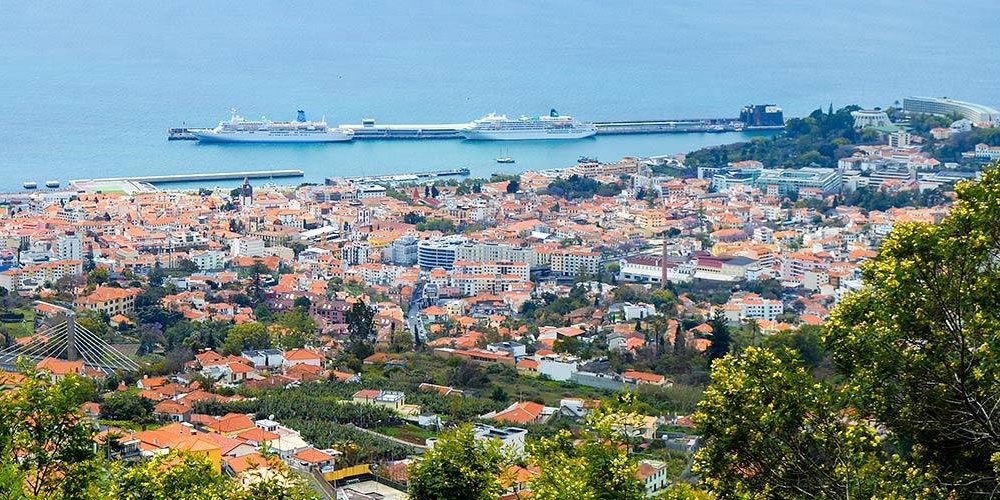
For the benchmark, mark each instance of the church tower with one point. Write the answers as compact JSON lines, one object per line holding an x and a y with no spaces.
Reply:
{"x":246,"y":193}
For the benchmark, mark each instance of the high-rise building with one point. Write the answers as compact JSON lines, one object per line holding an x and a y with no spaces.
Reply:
{"x":403,"y":251}
{"x":68,"y":246}
{"x":246,"y":247}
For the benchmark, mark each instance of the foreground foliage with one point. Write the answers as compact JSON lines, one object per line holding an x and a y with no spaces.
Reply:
{"x":47,"y":450}
{"x":459,"y":466}
{"x":913,"y":410}
{"x":594,"y":464}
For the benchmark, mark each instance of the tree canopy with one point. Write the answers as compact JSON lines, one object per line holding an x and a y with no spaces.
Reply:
{"x":458,"y":466}
{"x":913,"y":408}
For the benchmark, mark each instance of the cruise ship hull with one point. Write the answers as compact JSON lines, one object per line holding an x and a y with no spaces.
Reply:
{"x":526,"y":135}
{"x":212,"y":136}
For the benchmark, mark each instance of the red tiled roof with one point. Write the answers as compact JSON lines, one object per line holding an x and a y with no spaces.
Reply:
{"x":313,"y":456}
{"x":520,"y":413}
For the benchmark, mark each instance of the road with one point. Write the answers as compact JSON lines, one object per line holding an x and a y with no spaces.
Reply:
{"x":413,"y":322}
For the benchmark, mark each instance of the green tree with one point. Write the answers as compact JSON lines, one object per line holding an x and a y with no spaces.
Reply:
{"x":302,"y":302}
{"x":595,"y":465}
{"x":246,"y":336}
{"x":459,"y":466}
{"x":98,"y":276}
{"x":413,"y":218}
{"x":257,"y":272}
{"x":446,"y":226}
{"x":298,"y":329}
{"x":94,"y":322}
{"x":401,"y":341}
{"x":773,"y":431}
{"x":918,"y":345}
{"x":297,"y":247}
{"x":361,"y":321}
{"x":913,"y":413}
{"x":46,"y":446}
{"x":176,"y":475}
{"x":127,"y":406}
{"x":721,"y":337}
{"x":157,"y":275}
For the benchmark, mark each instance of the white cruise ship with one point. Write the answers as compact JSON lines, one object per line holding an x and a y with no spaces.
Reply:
{"x":239,"y":129}
{"x":494,"y":127}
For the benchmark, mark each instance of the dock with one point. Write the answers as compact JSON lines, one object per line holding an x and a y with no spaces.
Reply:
{"x":368,"y":129}
{"x":752,"y":117}
{"x":696,"y":125}
{"x":400,"y":178}
{"x":145,"y":184}
{"x":219,"y":176}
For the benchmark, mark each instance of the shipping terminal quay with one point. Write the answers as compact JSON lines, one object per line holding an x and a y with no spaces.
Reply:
{"x":752,"y":117}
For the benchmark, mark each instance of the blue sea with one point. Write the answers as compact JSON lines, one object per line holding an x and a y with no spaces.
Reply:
{"x":88,"y":89}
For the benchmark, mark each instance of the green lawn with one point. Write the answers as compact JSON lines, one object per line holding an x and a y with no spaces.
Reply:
{"x":26,"y":327}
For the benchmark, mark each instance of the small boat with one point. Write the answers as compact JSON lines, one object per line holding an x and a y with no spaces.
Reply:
{"x":505,"y":159}
{"x":30,"y":185}
{"x":586,"y":159}
{"x":52,"y":184}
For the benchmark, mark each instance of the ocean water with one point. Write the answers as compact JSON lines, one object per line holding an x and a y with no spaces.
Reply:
{"x":88,"y":89}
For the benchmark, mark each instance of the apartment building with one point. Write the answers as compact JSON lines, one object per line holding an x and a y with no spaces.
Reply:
{"x":35,"y":276}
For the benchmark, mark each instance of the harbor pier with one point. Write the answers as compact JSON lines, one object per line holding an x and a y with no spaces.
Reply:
{"x":144,"y":183}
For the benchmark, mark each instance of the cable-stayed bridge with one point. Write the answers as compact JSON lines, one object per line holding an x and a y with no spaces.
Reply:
{"x":65,"y":339}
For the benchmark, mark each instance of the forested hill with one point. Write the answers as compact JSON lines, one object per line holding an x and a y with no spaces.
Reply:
{"x":819,"y":139}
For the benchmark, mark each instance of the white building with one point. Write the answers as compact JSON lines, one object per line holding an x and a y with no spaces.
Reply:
{"x":209,"y":259}
{"x":246,"y":247}
{"x":355,"y":253}
{"x":985,"y":152}
{"x":570,"y":261}
{"x":68,"y":246}
{"x":763,"y":234}
{"x":751,"y":305}
{"x":558,"y":367}
{"x":502,"y":267}
{"x":511,"y":438}
{"x":265,"y":357}
{"x":653,"y":474}
{"x":870,"y":118}
{"x":369,"y":191}
{"x":403,"y":250}
{"x":632,"y":312}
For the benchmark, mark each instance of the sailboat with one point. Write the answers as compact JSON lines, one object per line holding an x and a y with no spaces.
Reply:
{"x":504,"y":158}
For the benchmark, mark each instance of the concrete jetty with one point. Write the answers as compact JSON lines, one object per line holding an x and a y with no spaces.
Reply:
{"x":212,"y":176}
{"x":145,"y":184}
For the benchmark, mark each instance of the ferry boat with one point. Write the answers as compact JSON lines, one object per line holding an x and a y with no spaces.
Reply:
{"x":52,"y":183}
{"x":239,"y":129}
{"x":494,"y":127}
{"x":30,"y":185}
